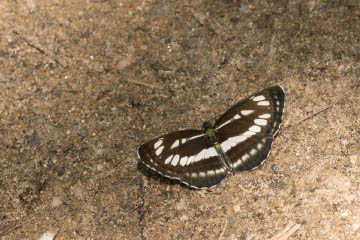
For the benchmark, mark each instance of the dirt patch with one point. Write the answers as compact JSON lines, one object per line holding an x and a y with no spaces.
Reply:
{"x":83,"y":84}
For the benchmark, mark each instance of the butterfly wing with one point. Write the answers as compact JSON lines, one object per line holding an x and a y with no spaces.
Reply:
{"x":246,"y":131}
{"x":186,"y":156}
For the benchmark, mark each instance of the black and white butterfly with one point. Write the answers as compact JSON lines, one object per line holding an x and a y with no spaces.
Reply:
{"x":240,"y":140}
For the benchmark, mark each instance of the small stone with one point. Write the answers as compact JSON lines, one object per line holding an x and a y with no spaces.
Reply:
{"x":99,"y":151}
{"x":100,"y":167}
{"x":245,"y":10}
{"x":346,"y":213}
{"x":78,"y":191}
{"x":56,"y":202}
{"x":355,"y":226}
{"x":353,"y":159}
{"x":48,"y":236}
{"x":201,"y":17}
{"x":184,"y":218}
{"x":34,"y":139}
{"x":236,"y":208}
{"x":181,"y":204}
{"x":31,"y":5}
{"x":124,"y":63}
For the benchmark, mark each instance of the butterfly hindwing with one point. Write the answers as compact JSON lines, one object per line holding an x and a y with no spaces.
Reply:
{"x":240,"y":140}
{"x":247,"y":130}
{"x":186,"y":156}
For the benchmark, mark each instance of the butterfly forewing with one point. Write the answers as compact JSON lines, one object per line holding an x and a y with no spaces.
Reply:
{"x":184,"y":155}
{"x":247,"y":130}
{"x":240,"y":140}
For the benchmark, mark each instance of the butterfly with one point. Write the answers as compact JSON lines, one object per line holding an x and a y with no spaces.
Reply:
{"x":240,"y":140}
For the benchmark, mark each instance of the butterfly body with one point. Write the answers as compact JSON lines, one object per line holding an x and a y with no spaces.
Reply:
{"x":240,"y":140}
{"x":211,"y":136}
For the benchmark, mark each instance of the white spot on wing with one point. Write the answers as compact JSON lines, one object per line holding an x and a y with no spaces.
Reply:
{"x":183,"y":140}
{"x":228,"y":121}
{"x":255,"y":129}
{"x":232,"y":142}
{"x":199,"y":156}
{"x":213,"y":152}
{"x":259,"y":146}
{"x":237,"y":163}
{"x":205,"y":154}
{"x":264,"y":103}
{"x":239,"y":139}
{"x":175,"y":160}
{"x":138,"y":155}
{"x":237,"y":116}
{"x":259,"y":98}
{"x":226,"y":145}
{"x":194,"y":174}
{"x":253,"y":151}
{"x":189,"y":161}
{"x":202,"y":174}
{"x":266,"y":116}
{"x":210,"y":172}
{"x":261,"y":122}
{"x":175,"y":144}
{"x":159,"y":150}
{"x":248,"y":133}
{"x":197,"y":136}
{"x":246,"y":112}
{"x":219,"y":171}
{"x":245,"y":157}
{"x":183,"y":161}
{"x":168,"y":159}
{"x":158,"y":143}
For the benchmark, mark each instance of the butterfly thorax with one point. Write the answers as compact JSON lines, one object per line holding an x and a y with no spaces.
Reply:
{"x":210,"y":133}
{"x":208,"y":130}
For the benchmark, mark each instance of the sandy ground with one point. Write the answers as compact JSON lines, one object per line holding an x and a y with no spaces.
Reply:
{"x":84,"y":83}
